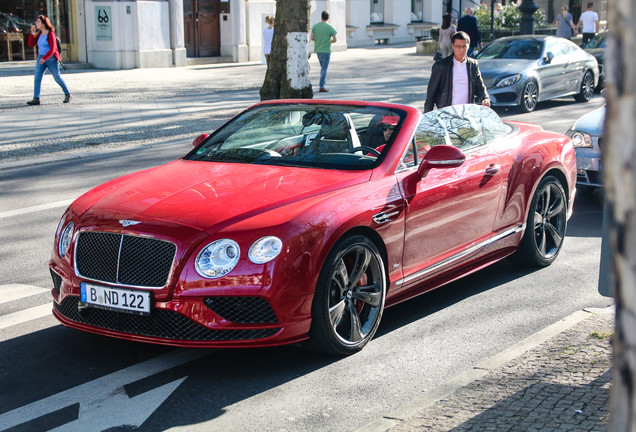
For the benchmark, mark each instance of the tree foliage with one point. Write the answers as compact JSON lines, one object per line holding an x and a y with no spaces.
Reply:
{"x":508,"y":17}
{"x":287,"y":74}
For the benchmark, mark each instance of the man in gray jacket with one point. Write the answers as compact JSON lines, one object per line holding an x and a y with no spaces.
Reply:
{"x":456,"y":79}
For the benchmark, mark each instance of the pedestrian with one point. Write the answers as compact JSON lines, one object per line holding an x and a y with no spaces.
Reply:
{"x":43,"y":35}
{"x":589,"y":21}
{"x":323,"y":34}
{"x":456,"y":79}
{"x":445,"y":33}
{"x":268,"y":35}
{"x":565,"y":24}
{"x":468,"y":24}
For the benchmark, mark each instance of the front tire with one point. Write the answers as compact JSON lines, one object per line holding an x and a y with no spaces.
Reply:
{"x":546,"y":224}
{"x":587,"y":88}
{"x":529,"y":97}
{"x":349,"y":297}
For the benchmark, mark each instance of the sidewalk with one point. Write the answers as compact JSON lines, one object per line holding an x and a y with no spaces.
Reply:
{"x":560,"y":384}
{"x":116,"y":108}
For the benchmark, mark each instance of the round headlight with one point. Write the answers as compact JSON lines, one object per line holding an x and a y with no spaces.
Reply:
{"x":218,"y":258}
{"x":65,"y":239}
{"x":581,"y":139}
{"x":265,"y":249}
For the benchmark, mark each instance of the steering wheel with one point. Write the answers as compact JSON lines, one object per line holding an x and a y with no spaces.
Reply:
{"x":365,"y":148}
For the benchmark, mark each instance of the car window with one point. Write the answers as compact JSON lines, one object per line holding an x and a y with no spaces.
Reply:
{"x":306,"y":135}
{"x":466,"y":127}
{"x":559,"y":48}
{"x":597,"y":41}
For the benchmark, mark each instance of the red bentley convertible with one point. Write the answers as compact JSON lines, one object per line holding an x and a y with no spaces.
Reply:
{"x":303,"y":220}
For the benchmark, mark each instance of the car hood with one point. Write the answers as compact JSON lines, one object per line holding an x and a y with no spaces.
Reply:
{"x":491,"y":68}
{"x":210,"y":196}
{"x":591,"y":123}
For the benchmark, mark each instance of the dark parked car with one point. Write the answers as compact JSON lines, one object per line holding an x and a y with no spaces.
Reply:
{"x":596,"y":47}
{"x":524,"y":70}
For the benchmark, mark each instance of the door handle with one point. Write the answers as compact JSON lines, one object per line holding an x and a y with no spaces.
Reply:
{"x":493,"y":169}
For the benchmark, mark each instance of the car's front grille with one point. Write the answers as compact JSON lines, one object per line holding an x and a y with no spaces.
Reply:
{"x":124,"y":259}
{"x":244,"y":310}
{"x":161,"y":323}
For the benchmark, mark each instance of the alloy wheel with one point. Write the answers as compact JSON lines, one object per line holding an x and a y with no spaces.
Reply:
{"x":530,"y":96}
{"x":356,"y":294}
{"x":549,"y":220}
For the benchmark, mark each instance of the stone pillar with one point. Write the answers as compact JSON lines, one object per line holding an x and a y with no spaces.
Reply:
{"x":177,"y":35}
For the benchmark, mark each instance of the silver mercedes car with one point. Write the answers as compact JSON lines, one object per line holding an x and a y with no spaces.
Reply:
{"x":524,"y":70}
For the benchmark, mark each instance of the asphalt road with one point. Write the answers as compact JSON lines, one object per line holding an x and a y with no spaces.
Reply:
{"x":53,"y":376}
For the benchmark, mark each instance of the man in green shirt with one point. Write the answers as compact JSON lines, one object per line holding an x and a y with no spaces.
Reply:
{"x":323,"y":34}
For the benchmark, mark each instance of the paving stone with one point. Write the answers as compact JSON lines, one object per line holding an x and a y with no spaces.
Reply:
{"x":554,"y":399}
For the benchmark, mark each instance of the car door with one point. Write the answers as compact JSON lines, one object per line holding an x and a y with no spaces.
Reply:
{"x":573,"y":68}
{"x":449,"y":211}
{"x":552,"y":71}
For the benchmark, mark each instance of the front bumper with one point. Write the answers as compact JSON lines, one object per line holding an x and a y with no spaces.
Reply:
{"x":192,"y":321}
{"x":505,"y":96}
{"x":589,"y":168}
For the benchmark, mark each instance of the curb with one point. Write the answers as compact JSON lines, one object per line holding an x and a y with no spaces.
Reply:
{"x":411,"y":408}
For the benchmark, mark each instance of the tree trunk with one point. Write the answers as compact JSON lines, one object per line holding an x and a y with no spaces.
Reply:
{"x":619,"y":156}
{"x":287,"y":75}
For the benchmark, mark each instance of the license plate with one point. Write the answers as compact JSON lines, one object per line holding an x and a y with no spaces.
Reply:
{"x":118,"y":299}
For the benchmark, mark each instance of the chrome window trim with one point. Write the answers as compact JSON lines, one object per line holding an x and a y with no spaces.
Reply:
{"x":121,"y":240}
{"x":469,"y":250}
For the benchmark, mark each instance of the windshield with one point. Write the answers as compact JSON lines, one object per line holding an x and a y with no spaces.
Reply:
{"x":597,"y":41}
{"x":524,"y":49}
{"x":306,"y":135}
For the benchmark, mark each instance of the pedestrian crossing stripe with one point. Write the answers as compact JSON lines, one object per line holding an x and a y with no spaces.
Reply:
{"x":12,"y":292}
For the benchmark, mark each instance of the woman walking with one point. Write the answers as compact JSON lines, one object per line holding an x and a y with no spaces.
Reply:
{"x":43,"y":35}
{"x":565,"y":24}
{"x":445,"y":34}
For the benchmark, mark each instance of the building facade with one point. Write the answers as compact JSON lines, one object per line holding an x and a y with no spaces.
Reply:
{"x":123,"y":34}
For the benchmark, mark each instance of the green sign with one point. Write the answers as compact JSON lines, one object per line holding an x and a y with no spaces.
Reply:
{"x":103,"y":23}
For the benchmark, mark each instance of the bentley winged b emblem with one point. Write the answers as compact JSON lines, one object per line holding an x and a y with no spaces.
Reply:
{"x":128,"y":223}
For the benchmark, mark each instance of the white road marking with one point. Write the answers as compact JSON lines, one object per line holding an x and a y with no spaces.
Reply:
{"x":104,"y":403}
{"x":37,"y":208}
{"x":25,"y":315}
{"x":13,"y":292}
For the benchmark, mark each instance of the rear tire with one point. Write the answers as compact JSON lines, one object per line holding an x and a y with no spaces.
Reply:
{"x":546,"y":225}
{"x":349,"y":297}
{"x":587,"y":88}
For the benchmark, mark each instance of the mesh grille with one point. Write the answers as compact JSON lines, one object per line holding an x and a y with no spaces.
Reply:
{"x":161,"y":324}
{"x":57,"y":280}
{"x":245,"y":310}
{"x":124,"y":259}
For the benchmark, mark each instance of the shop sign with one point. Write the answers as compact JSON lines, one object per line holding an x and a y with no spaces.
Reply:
{"x":103,"y":24}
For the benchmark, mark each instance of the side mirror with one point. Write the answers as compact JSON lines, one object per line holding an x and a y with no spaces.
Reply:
{"x":441,"y":156}
{"x":548,"y":57}
{"x":198,"y":140}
